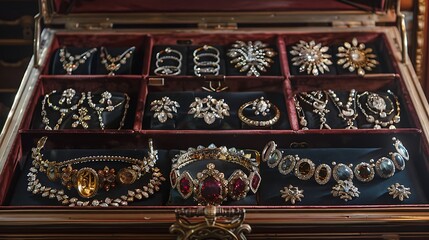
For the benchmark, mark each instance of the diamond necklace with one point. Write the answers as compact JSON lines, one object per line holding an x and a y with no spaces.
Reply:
{"x":63,"y":111}
{"x":346,"y":111}
{"x":112,"y":64}
{"x":71,"y":63}
{"x":318,"y":100}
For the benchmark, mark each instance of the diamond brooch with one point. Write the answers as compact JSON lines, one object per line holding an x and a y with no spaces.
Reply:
{"x":209,"y":109}
{"x":345,"y":190}
{"x":292,"y":194}
{"x":311,"y":57}
{"x":356,"y":57}
{"x":399,"y":191}
{"x":253,"y":57}
{"x":164,"y":109}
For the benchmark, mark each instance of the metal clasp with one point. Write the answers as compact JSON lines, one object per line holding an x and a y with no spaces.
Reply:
{"x":214,"y":223}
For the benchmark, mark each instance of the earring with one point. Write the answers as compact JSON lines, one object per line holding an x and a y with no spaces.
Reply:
{"x":67,"y":96}
{"x":292,"y":194}
{"x":399,"y":191}
{"x":106,"y":97}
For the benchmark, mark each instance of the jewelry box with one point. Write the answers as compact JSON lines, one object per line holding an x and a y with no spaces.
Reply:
{"x":278,"y":119}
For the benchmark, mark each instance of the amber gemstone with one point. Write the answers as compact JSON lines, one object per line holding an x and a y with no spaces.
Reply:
{"x":304,"y":168}
{"x":211,"y":190}
{"x":364,"y":171}
{"x":323,"y":173}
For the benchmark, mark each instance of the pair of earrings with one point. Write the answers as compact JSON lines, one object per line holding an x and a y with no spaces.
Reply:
{"x":294,"y":194}
{"x":313,"y":58}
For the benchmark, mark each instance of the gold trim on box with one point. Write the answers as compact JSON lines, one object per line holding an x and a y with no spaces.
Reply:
{"x":420,"y":39}
{"x":218,"y":223}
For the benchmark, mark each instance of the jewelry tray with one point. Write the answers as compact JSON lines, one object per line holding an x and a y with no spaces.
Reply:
{"x":374,"y":212}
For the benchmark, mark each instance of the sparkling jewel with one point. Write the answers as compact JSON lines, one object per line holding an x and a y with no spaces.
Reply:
{"x":385,"y":167}
{"x":185,"y":185}
{"x":292,"y":194}
{"x":399,"y":191}
{"x":342,"y":172}
{"x":364,"y":172}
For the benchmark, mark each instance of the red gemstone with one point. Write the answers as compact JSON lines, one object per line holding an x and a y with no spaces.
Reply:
{"x":211,"y":190}
{"x":185,"y":186}
{"x":255,"y":181}
{"x":238,"y":187}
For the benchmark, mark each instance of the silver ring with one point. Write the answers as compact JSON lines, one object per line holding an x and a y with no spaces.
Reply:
{"x":206,"y":48}
{"x":209,"y":109}
{"x":167,"y":51}
{"x":164,"y":109}
{"x":167,"y":70}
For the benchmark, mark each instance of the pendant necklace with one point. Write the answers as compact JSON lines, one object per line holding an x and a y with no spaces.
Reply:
{"x":346,"y":111}
{"x":113,"y":64}
{"x":318,"y":100}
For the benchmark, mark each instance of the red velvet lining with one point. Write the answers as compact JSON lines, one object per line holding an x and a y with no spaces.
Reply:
{"x":130,"y":6}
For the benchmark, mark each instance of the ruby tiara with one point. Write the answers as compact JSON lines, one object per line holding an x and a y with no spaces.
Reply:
{"x":210,"y":186}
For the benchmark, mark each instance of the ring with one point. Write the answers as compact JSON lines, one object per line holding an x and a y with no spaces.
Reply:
{"x":399,"y":191}
{"x":251,"y":57}
{"x":356,"y":56}
{"x":345,"y":190}
{"x":164,"y":109}
{"x":205,"y":66}
{"x":206,"y":49}
{"x":209,"y":109}
{"x":166,"y":70}
{"x":311,"y":57}
{"x":261,"y":107}
{"x":292,"y":194}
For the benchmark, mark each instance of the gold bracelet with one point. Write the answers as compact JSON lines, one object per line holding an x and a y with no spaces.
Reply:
{"x":261,"y":107}
{"x":210,"y":186}
{"x":87,"y":181}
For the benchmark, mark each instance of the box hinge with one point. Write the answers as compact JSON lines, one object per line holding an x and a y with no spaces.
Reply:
{"x":352,"y":24}
{"x":217,"y":26}
{"x":88,"y":26}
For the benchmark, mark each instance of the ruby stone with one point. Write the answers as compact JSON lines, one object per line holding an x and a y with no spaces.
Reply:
{"x":185,"y":186}
{"x":255,"y":181}
{"x":238,"y":187}
{"x":211,"y":190}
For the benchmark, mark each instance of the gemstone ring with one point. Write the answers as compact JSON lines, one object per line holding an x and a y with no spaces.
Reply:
{"x":261,"y":107}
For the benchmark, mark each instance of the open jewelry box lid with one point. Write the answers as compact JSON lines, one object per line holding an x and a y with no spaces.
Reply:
{"x":96,"y":15}
{"x":110,"y":13}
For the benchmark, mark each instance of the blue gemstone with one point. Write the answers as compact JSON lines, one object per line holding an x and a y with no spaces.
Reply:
{"x":386,"y":167}
{"x":399,"y":161}
{"x":344,"y":172}
{"x":273,"y":158}
{"x":403,"y":151}
{"x":286,"y":164}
